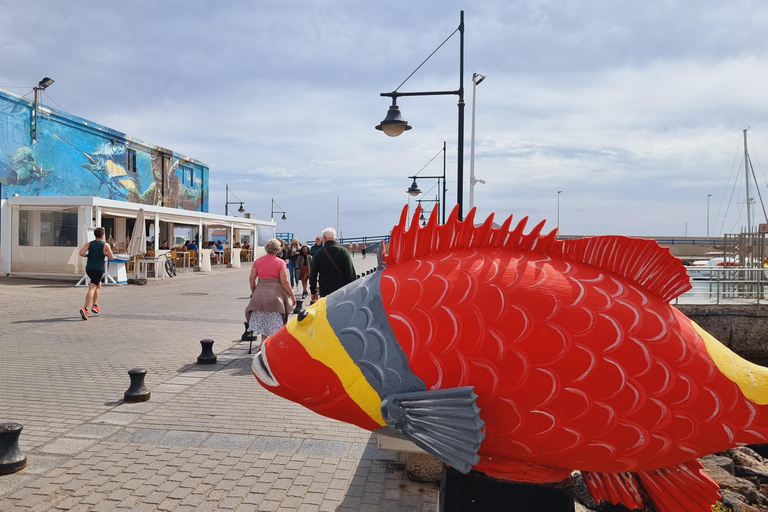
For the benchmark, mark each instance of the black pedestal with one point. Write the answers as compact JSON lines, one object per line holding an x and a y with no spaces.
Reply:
{"x":478,"y":492}
{"x":11,"y":457}
{"x":206,"y":356}
{"x":137,"y":392}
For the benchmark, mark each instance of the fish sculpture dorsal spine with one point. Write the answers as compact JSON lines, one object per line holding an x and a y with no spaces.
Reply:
{"x":644,"y":262}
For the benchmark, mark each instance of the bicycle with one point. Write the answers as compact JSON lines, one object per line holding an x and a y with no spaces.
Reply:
{"x":170,"y":267}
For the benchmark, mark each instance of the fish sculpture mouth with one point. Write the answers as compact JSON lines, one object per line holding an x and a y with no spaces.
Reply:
{"x":260,"y":368}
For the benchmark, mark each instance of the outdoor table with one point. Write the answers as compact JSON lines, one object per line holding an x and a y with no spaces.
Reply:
{"x":184,"y":255}
{"x":142,"y":267}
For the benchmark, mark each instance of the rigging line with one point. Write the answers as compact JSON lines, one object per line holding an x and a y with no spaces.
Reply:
{"x":430,"y":161}
{"x":725,"y":191}
{"x":757,"y":187}
{"x":425,"y":60}
{"x":53,"y":100}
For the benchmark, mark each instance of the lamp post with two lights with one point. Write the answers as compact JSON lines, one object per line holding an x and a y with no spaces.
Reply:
{"x":414,"y":189}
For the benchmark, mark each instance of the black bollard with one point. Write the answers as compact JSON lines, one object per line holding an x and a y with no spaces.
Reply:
{"x":206,"y":356}
{"x":11,"y":457}
{"x":479,"y":492}
{"x":138,"y":392}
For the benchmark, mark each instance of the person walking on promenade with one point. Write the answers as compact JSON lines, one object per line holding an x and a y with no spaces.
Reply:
{"x":303,"y":264}
{"x":271,"y":296}
{"x":292,"y":253}
{"x":318,"y":245}
{"x":94,"y":268}
{"x":334,"y":265}
{"x":362,"y":251}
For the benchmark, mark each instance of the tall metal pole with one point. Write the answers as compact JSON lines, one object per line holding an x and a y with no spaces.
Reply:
{"x":460,"y":185}
{"x":708,"y":196}
{"x":746,"y":174}
{"x":445,"y":185}
{"x":472,"y":146}
{"x":226,"y":201}
{"x":34,"y":118}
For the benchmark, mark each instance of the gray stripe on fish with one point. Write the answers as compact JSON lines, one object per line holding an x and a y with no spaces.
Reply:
{"x":356,"y":314}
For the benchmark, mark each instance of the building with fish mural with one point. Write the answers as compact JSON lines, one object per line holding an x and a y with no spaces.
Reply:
{"x":73,"y":157}
{"x":60,"y":174}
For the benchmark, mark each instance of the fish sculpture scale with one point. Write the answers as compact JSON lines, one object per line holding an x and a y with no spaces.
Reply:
{"x":525,"y":357}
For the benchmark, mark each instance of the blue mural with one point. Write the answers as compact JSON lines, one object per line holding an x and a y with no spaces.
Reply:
{"x":74,"y":157}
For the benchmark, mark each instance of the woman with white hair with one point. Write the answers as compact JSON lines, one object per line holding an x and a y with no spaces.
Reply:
{"x":271,"y":294}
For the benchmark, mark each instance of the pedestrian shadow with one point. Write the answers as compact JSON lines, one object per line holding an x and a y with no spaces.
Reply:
{"x":48,"y":320}
{"x":381,"y":477}
{"x":237,"y":363}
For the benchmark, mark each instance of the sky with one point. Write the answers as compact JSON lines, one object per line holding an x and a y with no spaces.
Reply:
{"x":621,"y":116}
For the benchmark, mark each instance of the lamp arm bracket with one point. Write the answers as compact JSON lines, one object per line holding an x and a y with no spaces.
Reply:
{"x":394,"y":95}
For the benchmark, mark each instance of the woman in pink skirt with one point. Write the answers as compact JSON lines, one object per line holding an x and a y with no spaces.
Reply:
{"x":271,"y":294}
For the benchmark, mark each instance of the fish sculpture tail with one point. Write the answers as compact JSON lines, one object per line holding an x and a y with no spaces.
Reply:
{"x":683,"y":487}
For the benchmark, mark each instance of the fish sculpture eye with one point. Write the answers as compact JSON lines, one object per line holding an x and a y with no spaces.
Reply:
{"x":302,"y":317}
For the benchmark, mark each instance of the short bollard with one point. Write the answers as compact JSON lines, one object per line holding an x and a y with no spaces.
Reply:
{"x":138,"y":392}
{"x":206,"y":356}
{"x":11,"y":457}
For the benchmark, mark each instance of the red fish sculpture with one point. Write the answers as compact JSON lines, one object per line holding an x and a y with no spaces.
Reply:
{"x":526,"y":357}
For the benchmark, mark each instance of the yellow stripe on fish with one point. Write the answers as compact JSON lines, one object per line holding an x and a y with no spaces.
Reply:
{"x":751,"y":378}
{"x":320,"y":341}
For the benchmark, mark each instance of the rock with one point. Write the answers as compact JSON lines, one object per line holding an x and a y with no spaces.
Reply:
{"x":737,"y":502}
{"x":719,"y":461}
{"x":747,"y":457}
{"x":581,"y":491}
{"x":728,"y":481}
{"x":757,"y":476}
{"x":581,"y":508}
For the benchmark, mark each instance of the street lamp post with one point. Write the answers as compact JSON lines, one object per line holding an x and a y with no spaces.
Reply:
{"x":394,"y":124}
{"x":414,"y":189}
{"x":41,"y":86}
{"x":227,"y":202}
{"x":272,"y":213}
{"x":422,"y":218}
{"x":708,"y":196}
{"x":476,"y":79}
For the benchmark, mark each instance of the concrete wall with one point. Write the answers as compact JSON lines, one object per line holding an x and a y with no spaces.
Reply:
{"x":742,"y":328}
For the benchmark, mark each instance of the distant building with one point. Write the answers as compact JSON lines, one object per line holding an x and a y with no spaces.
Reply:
{"x":61,"y":174}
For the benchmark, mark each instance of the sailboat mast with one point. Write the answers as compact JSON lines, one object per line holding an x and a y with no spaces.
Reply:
{"x":746,"y":174}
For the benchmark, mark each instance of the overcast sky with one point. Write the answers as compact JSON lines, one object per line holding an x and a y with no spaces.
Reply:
{"x":633,"y":109}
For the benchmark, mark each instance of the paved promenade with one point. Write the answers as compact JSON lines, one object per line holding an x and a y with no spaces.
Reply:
{"x":210,"y":438}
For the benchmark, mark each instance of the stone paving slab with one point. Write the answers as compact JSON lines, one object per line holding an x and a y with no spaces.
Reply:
{"x":210,"y":438}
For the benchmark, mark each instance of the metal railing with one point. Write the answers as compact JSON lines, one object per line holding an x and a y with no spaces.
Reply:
{"x":732,"y":285}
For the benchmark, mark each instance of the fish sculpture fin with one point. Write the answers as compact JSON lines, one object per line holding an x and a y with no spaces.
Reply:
{"x":682,"y":487}
{"x":443,"y":422}
{"x":644,"y":262}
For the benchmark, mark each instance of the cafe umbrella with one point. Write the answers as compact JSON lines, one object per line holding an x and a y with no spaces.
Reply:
{"x":138,"y":243}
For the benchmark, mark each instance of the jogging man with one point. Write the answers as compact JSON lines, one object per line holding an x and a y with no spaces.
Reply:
{"x":94,"y":268}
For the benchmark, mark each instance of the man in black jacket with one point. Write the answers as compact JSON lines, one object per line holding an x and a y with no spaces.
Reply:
{"x":334,"y":265}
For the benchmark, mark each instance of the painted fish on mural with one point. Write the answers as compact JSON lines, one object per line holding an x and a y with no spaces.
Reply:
{"x":115,"y":182}
{"x":526,"y":357}
{"x":21,"y":168}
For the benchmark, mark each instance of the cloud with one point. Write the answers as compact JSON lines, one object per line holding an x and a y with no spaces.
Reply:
{"x":634,"y":110}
